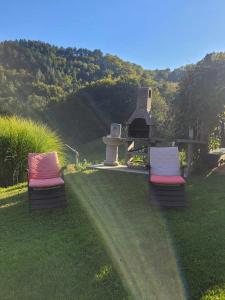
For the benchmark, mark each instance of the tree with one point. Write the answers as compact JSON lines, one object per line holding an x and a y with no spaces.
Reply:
{"x":201,"y":99}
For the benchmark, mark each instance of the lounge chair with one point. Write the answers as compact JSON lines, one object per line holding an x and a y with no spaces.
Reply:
{"x":167,"y":186}
{"x":46,"y":187}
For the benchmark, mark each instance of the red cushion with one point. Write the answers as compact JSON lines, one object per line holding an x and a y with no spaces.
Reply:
{"x":43,"y":165}
{"x":167,"y":179}
{"x":44,"y":183}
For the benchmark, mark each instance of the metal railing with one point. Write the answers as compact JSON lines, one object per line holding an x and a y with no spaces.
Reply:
{"x":76,"y":154}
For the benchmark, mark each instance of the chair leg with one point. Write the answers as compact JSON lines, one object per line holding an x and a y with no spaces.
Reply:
{"x":47,"y":198}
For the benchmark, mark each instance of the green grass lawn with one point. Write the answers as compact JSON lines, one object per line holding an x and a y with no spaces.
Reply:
{"x":110,"y":242}
{"x":199,"y":237}
{"x":55,"y":254}
{"x":158,"y":253}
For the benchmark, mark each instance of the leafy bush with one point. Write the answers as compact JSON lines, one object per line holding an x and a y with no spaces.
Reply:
{"x":18,"y":137}
{"x":183,"y":158}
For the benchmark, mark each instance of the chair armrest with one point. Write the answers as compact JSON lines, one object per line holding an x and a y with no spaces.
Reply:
{"x":62,"y":171}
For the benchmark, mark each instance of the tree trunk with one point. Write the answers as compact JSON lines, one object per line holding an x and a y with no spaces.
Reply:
{"x":204,"y":147}
{"x":222,"y":135}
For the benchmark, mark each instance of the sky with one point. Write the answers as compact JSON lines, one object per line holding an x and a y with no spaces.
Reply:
{"x":154,"y":34}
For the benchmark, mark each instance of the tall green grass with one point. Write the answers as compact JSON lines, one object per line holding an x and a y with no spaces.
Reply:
{"x":18,"y":137}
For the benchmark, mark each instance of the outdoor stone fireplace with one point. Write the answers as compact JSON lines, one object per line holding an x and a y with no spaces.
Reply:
{"x":140,"y":122}
{"x":138,"y":133}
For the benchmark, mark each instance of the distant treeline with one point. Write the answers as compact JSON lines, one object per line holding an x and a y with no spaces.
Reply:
{"x":79,"y":92}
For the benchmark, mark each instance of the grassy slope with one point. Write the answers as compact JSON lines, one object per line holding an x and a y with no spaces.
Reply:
{"x":134,"y":233}
{"x":198,"y":234}
{"x":140,"y":238}
{"x":58,"y":253}
{"x":52,"y":254}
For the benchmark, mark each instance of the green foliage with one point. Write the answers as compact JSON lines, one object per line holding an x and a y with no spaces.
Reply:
{"x":201,"y":97}
{"x":66,"y":86}
{"x":30,"y":68}
{"x":214,"y":142}
{"x":183,"y":158}
{"x":18,"y":137}
{"x":80,"y":92}
{"x":216,"y":293}
{"x":200,"y":105}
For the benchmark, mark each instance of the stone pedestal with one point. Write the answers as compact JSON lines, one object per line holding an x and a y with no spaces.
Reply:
{"x":112,"y":142}
{"x":111,"y":150}
{"x":111,"y":155}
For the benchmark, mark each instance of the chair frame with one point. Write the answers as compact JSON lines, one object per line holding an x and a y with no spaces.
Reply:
{"x":167,"y":195}
{"x":47,"y":197}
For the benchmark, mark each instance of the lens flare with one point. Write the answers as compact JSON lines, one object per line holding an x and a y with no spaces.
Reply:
{"x":135,"y":234}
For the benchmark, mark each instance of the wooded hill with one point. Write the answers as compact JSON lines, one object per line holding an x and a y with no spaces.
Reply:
{"x":80,"y":92}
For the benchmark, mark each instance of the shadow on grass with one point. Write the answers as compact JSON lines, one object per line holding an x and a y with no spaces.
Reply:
{"x":13,"y":196}
{"x":134,"y":233}
{"x":52,"y":254}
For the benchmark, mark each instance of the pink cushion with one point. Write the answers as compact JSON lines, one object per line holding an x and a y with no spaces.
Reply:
{"x":167,"y":179}
{"x":43,"y":165}
{"x":43,"y":183}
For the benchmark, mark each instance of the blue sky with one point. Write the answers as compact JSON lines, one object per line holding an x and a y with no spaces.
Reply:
{"x":154,"y":34}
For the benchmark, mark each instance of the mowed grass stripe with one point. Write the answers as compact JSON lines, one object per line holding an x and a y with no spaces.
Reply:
{"x":134,"y":233}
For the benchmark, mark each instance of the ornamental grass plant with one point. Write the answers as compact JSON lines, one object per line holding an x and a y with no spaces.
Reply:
{"x":18,"y":137}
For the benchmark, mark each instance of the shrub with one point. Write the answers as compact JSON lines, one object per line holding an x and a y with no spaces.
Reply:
{"x":18,"y":137}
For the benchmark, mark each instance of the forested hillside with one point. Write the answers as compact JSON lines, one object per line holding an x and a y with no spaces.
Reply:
{"x":79,"y":92}
{"x":37,"y":73}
